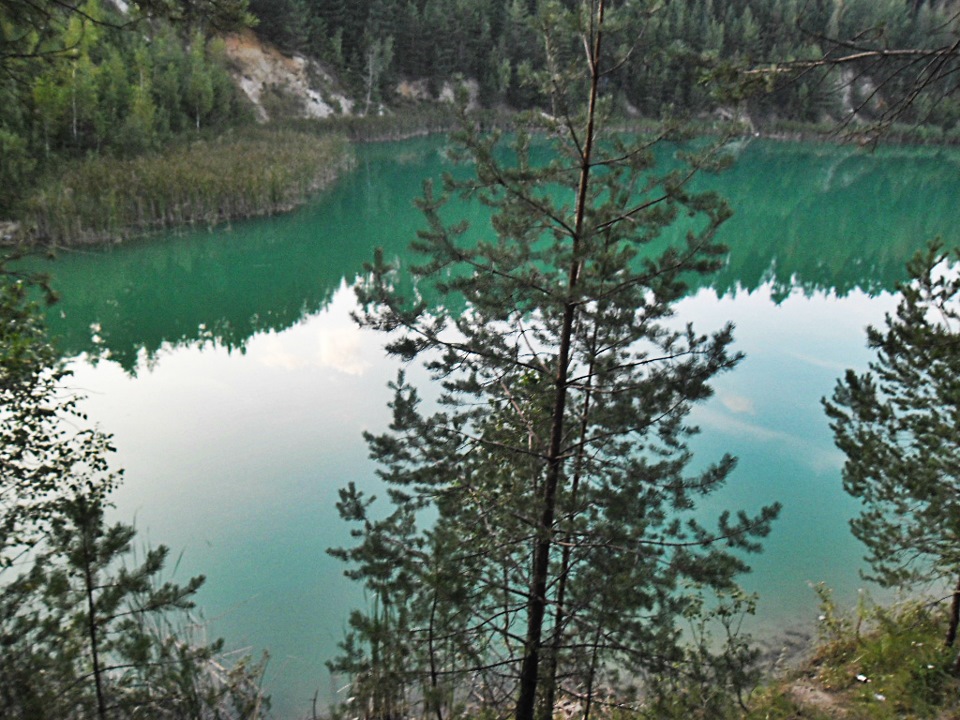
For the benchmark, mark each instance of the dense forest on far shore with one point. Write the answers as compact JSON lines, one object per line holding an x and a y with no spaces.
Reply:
{"x":374,"y":44}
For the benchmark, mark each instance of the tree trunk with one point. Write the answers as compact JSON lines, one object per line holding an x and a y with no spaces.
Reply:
{"x":537,"y":601}
{"x":89,"y":585}
{"x":434,"y":678}
{"x":560,"y":616}
{"x":954,"y":616}
{"x":954,"y":623}
{"x":592,"y":677}
{"x":73,"y":103}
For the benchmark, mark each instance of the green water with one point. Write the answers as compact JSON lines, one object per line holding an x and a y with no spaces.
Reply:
{"x":237,"y":387}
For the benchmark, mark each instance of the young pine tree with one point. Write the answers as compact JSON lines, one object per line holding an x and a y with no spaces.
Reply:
{"x":89,"y":634}
{"x":897,"y":425}
{"x":544,"y":540}
{"x":86,"y":631}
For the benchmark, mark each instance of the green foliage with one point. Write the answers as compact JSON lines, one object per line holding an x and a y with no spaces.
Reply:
{"x":716,"y":673}
{"x":897,"y":425}
{"x":87,"y":631}
{"x":199,"y":83}
{"x":542,"y":538}
{"x":44,"y":457}
{"x":683,"y":49}
{"x":32,"y":31}
{"x":896,"y":666}
{"x":883,"y":663}
{"x":89,"y":86}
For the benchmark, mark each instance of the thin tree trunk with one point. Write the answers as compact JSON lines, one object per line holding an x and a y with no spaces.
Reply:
{"x":371,"y":59}
{"x":560,"y":618}
{"x":592,"y":677}
{"x":89,"y":585}
{"x":434,"y":679}
{"x":537,"y":602}
{"x":954,"y":615}
{"x":73,"y":102}
{"x":954,"y":623}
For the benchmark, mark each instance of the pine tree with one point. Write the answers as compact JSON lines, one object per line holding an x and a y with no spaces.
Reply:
{"x":897,"y":425}
{"x":199,"y":95}
{"x":87,"y":631}
{"x":44,"y":457}
{"x":544,"y":535}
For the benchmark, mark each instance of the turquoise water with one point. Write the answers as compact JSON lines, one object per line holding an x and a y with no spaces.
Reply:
{"x":237,"y":387}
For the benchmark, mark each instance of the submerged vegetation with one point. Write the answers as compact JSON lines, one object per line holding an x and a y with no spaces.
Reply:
{"x":242,"y":174}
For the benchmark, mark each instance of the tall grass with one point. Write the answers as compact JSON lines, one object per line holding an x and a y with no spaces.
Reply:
{"x":883,"y":663}
{"x":254,"y":172}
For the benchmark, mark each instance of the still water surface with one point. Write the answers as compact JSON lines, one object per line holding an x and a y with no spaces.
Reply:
{"x":237,"y":387}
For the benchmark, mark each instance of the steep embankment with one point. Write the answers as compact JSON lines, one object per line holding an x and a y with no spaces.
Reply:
{"x":279,"y":85}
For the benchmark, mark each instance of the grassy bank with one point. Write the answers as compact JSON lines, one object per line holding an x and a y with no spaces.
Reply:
{"x":893,"y":134}
{"x":245,"y":174}
{"x":401,"y":123}
{"x":429,"y":118}
{"x":879,"y":664}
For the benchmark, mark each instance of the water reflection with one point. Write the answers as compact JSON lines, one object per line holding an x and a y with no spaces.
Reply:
{"x":238,"y":388}
{"x":817,"y":218}
{"x":830,"y":219}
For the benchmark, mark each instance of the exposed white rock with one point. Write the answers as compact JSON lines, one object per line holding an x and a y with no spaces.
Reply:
{"x":448,"y":93}
{"x":413,"y":90}
{"x":9,"y":231}
{"x":419,"y":90}
{"x":260,"y":70}
{"x":859,"y":95}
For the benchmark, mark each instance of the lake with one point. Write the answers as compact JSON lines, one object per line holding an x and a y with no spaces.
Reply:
{"x":237,"y":387}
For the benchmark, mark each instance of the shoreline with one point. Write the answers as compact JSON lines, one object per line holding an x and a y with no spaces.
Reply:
{"x":58,"y":216}
{"x":103,"y":200}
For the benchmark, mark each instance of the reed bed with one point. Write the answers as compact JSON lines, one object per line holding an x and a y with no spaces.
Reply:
{"x":257,"y":172}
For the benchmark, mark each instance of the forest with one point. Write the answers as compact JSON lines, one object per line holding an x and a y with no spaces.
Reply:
{"x":681,"y":46}
{"x":86,"y":87}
